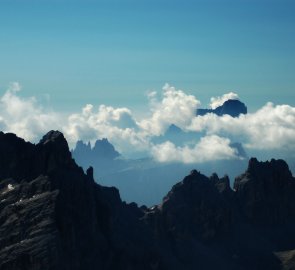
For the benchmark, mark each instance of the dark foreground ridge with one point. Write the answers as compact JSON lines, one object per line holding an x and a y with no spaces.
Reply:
{"x":53,"y":216}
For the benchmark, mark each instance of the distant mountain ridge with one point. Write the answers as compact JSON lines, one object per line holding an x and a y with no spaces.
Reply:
{"x":145,"y":180}
{"x":232,"y":107}
{"x":53,"y":216}
{"x":102,"y":149}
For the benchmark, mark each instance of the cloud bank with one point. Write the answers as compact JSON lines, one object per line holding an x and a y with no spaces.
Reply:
{"x":272,"y":127}
{"x":209,"y":148}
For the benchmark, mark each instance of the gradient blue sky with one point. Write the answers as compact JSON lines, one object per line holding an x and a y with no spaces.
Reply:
{"x":112,"y":52}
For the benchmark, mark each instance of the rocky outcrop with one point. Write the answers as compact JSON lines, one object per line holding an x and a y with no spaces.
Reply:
{"x":53,"y":216}
{"x":232,"y":107}
{"x":266,"y":192}
{"x":203,"y":218}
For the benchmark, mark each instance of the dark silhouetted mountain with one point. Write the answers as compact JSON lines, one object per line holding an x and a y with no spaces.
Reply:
{"x":53,"y":216}
{"x":232,"y":107}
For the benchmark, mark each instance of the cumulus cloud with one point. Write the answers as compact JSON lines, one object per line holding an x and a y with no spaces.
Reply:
{"x":270,"y":128}
{"x":116,"y":124}
{"x":24,"y":116}
{"x":218,"y":101}
{"x":209,"y":148}
{"x":174,"y":107}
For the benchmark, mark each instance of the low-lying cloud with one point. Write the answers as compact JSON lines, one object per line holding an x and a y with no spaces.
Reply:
{"x":209,"y":148}
{"x":270,"y":128}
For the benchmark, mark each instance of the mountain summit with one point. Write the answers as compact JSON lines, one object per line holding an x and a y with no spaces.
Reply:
{"x":232,"y":107}
{"x":53,"y":216}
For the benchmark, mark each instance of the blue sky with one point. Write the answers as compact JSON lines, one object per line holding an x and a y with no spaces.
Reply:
{"x":113,"y":52}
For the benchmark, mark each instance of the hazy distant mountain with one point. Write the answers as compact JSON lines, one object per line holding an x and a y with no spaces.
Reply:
{"x":177,"y":136}
{"x":53,"y":216}
{"x":144,"y":180}
{"x":232,"y":107}
{"x":102,"y":150}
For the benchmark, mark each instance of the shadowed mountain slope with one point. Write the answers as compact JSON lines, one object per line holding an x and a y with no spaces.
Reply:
{"x":53,"y":216}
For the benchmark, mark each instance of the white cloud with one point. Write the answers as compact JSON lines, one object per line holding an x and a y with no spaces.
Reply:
{"x":218,"y":101}
{"x":24,"y":116}
{"x":116,"y":124}
{"x":175,"y":107}
{"x":270,"y":128}
{"x":209,"y":148}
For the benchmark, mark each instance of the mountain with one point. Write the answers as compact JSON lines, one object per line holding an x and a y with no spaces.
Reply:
{"x":177,"y":136}
{"x":102,"y":151}
{"x":145,"y":181}
{"x":232,"y":107}
{"x":54,"y":216}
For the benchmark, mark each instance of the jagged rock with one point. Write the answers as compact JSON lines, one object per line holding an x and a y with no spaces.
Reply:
{"x":53,"y":216}
{"x":103,"y":156}
{"x":266,"y":191}
{"x":231,"y":107}
{"x":195,"y":207}
{"x":102,"y":150}
{"x":89,"y":173}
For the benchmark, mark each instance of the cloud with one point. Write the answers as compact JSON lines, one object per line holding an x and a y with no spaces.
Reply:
{"x":272,"y":127}
{"x":218,"y":101}
{"x":174,"y":107}
{"x":24,"y":116}
{"x":116,"y":124}
{"x":209,"y":148}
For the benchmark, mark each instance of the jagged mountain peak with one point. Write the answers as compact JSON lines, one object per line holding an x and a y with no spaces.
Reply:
{"x":53,"y":216}
{"x":232,"y":107}
{"x":53,"y":136}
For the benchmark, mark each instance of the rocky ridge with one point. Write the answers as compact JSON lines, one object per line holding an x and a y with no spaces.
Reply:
{"x":53,"y":216}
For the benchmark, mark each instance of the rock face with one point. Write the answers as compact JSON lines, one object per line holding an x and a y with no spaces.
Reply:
{"x":231,"y":107}
{"x":266,"y":192}
{"x":53,"y":216}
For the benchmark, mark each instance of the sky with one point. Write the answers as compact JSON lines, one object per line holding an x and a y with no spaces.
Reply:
{"x":68,"y":53}
{"x":126,"y":70}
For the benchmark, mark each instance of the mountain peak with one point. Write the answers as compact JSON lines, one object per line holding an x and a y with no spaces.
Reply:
{"x":232,"y":107}
{"x":53,"y":216}
{"x":52,"y":136}
{"x":266,"y":191}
